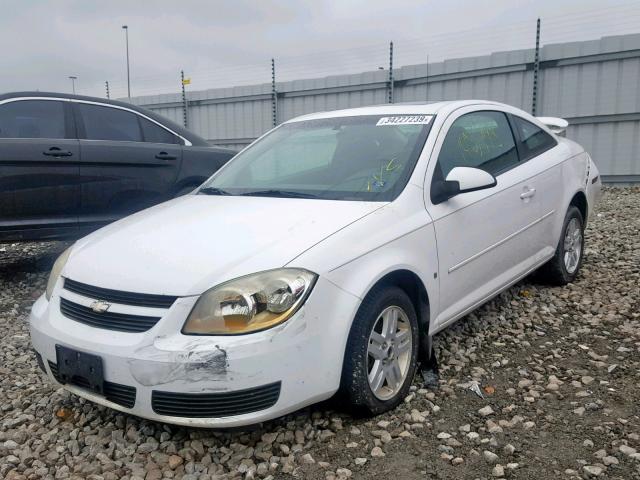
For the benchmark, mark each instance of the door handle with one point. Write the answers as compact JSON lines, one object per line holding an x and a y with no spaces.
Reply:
{"x":528,"y":193}
{"x":57,"y":152}
{"x":165,"y":156}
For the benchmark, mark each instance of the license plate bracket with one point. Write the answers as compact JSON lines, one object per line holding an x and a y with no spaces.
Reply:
{"x":81,"y":369}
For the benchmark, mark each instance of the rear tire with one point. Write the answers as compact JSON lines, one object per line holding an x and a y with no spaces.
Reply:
{"x":382,"y":351}
{"x":563,"y":268}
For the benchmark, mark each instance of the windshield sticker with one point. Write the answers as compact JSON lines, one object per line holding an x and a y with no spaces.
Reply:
{"x":405,"y":120}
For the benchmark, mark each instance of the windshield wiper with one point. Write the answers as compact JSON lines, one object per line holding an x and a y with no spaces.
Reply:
{"x":214,"y":191}
{"x":278,"y":193}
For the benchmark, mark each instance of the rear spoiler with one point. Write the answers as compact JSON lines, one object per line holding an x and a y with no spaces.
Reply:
{"x":555,"y":124}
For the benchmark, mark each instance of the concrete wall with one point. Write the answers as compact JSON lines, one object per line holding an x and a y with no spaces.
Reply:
{"x":593,"y":84}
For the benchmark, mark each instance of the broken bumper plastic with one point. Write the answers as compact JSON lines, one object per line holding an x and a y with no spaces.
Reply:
{"x":303,"y":357}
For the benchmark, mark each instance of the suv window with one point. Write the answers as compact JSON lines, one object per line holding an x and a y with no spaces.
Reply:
{"x":107,"y":123}
{"x":533,"y":139}
{"x":154,"y":133}
{"x":32,"y":119}
{"x":481,"y":140}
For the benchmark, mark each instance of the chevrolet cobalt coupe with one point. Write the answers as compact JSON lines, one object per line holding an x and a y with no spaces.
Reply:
{"x":321,"y":259}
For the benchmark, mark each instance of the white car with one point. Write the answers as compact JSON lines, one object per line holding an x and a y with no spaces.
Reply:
{"x":322,"y":258}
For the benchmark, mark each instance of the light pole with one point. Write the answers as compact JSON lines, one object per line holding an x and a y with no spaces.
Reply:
{"x":126,"y":33}
{"x":73,"y":83}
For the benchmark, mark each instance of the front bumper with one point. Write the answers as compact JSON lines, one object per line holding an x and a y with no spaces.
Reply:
{"x":303,"y":357}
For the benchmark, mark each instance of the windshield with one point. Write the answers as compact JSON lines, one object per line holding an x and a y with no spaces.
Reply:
{"x":367,"y":158}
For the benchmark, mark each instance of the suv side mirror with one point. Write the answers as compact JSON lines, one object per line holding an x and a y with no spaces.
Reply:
{"x":461,"y":180}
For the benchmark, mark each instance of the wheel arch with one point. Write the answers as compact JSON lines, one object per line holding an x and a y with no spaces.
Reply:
{"x":579,"y":200}
{"x":411,"y":283}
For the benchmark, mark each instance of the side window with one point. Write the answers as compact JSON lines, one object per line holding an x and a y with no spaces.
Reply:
{"x":32,"y":119}
{"x":533,"y":139}
{"x":481,"y":140}
{"x":106,"y":123}
{"x":154,"y":133}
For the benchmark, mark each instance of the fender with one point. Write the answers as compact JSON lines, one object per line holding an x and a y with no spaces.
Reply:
{"x":575,"y":172}
{"x":408,"y":244}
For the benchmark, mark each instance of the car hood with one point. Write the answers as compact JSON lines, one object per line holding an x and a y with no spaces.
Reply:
{"x":188,"y":245}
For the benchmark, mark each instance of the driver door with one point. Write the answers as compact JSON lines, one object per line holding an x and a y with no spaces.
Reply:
{"x":483,"y":237}
{"x":39,"y":158}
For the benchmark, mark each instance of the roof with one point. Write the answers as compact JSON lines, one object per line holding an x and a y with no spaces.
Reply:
{"x":179,"y":129}
{"x":410,"y":108}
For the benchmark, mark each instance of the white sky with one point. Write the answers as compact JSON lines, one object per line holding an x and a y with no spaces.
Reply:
{"x":227,"y":43}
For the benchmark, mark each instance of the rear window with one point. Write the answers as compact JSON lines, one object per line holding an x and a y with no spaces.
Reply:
{"x":154,"y":133}
{"x":107,"y":123}
{"x":533,"y":139}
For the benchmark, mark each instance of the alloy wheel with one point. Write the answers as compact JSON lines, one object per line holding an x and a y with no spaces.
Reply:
{"x":572,"y":245}
{"x":389,"y":352}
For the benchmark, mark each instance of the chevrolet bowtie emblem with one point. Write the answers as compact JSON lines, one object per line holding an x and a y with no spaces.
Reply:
{"x":99,"y":306}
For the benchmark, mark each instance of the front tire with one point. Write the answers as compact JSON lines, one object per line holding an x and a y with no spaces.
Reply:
{"x":563,"y":268}
{"x":382,"y":351}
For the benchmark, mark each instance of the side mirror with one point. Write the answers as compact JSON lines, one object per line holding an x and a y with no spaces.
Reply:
{"x":461,"y":180}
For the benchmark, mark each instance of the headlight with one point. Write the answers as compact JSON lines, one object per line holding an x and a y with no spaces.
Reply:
{"x":249,"y":304}
{"x":55,"y":272}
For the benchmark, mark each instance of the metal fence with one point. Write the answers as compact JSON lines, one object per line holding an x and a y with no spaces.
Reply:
{"x":594,"y":84}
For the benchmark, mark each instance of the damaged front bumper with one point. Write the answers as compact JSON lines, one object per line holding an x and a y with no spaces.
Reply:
{"x":206,"y":381}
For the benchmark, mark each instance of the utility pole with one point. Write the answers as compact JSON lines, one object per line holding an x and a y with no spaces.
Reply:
{"x":106,"y":84}
{"x":73,"y":83}
{"x":184,"y":100}
{"x":274,"y":94}
{"x":390,"y":72}
{"x":536,"y":68}
{"x":126,"y":33}
{"x":426,"y":80}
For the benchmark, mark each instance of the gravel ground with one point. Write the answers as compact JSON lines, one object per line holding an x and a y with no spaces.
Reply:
{"x":558,"y":368}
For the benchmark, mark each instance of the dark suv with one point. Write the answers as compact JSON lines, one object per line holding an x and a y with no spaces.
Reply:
{"x":70,"y":164}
